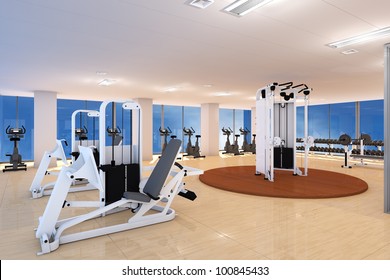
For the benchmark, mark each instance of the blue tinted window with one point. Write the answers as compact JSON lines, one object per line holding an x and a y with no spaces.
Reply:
{"x":174,"y":120}
{"x":248,"y":120}
{"x":65,"y":109}
{"x":248,"y":126}
{"x":239,"y":123}
{"x":319,"y":121}
{"x":300,"y":120}
{"x":93,"y":122}
{"x":372,"y":119}
{"x":191,"y":119}
{"x":342,"y":119}
{"x":157,"y":111}
{"x":17,"y":112}
{"x":225,"y":121}
{"x":123,"y":119}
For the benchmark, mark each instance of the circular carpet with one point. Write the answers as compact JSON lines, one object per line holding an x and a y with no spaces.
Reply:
{"x":318,"y":183}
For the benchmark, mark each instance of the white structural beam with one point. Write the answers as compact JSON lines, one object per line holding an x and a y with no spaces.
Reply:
{"x":45,"y":124}
{"x":387,"y":128}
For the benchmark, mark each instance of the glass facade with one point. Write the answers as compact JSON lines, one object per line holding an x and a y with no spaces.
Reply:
{"x":157,"y":123}
{"x":226,"y":120}
{"x":332,"y":120}
{"x":319,"y":121}
{"x":65,"y":109}
{"x":372,"y":119}
{"x":234,"y":119}
{"x":342,"y":120}
{"x":16,"y":112}
{"x":175,"y":118}
{"x":325,"y":121}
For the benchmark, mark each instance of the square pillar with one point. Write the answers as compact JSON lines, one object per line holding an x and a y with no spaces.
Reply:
{"x":45,"y":124}
{"x":210,"y":129}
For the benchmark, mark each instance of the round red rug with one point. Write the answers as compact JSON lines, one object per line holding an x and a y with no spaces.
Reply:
{"x":318,"y":183}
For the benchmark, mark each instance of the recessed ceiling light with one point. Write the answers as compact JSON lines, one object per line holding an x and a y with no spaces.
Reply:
{"x":242,"y":7}
{"x":202,"y":4}
{"x":171,"y":89}
{"x":350,"y":51}
{"x":361,"y":38}
{"x":106,"y":82}
{"x":223,"y":93}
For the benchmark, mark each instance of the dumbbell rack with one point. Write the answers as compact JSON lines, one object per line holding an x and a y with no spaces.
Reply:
{"x":358,"y":149}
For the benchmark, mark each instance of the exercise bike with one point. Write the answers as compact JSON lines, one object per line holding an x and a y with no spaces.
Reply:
{"x":165,"y":132}
{"x":15,"y":159}
{"x":248,"y":147}
{"x":230,"y":148}
{"x":192,"y":150}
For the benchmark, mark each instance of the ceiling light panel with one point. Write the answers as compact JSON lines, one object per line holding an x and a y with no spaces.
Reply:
{"x":242,"y":7}
{"x":106,"y":82}
{"x":202,"y":4}
{"x":376,"y":34}
{"x":223,"y":93}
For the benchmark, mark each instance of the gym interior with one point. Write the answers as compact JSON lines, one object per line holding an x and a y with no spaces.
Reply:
{"x":195,"y":86}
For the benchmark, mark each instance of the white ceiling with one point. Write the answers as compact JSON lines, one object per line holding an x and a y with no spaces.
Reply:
{"x":148,"y":46}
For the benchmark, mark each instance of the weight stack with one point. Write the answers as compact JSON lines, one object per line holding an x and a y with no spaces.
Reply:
{"x":119,"y":179}
{"x":284,"y":158}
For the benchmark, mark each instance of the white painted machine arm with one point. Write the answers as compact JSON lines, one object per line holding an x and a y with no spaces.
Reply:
{"x":58,"y":152}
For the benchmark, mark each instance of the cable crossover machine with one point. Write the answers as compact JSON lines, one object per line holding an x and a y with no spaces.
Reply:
{"x":276,"y":128}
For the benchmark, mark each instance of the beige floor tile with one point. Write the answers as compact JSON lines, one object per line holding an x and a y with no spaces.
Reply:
{"x":217,"y":225}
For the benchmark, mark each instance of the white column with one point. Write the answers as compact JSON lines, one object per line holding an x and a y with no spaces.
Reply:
{"x":45,"y":124}
{"x":147,"y":127}
{"x":387,"y":129}
{"x":253,"y":120}
{"x":210,"y":129}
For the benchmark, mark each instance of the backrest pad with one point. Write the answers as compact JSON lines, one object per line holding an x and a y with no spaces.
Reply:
{"x":161,"y":171}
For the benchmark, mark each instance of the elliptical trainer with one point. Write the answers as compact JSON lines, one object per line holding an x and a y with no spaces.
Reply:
{"x":230,"y":148}
{"x":192,"y":150}
{"x":15,"y":159}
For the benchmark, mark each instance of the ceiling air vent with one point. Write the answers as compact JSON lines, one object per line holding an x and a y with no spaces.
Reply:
{"x":242,"y":7}
{"x":350,"y":51}
{"x":200,"y":3}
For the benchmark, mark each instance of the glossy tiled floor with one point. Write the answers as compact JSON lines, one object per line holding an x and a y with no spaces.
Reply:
{"x":218,"y":225}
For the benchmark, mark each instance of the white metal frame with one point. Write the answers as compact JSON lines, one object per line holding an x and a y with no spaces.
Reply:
{"x":266,"y":98}
{"x":135,"y":151}
{"x":50,"y":230}
{"x":387,"y":129}
{"x":89,"y":113}
{"x":36,"y":188}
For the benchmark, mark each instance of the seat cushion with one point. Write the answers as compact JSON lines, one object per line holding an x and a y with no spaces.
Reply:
{"x":136,"y":196}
